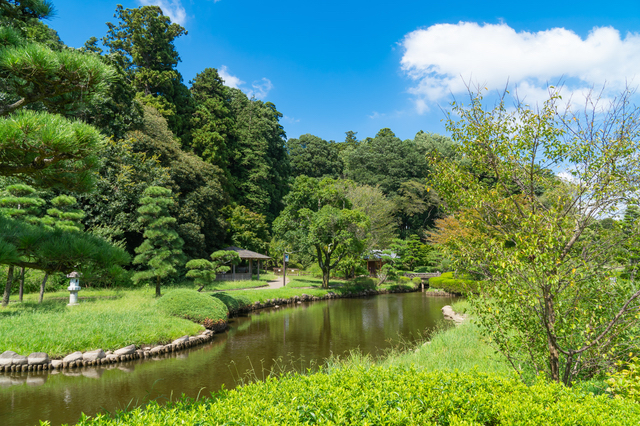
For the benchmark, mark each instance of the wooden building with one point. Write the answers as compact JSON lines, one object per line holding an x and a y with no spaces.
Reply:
{"x":376,"y":259}
{"x":242,"y":273}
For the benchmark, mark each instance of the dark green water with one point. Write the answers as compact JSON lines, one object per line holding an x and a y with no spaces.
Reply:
{"x":302,"y":333}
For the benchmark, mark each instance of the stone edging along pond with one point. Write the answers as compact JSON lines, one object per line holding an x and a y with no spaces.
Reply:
{"x":39,"y":361}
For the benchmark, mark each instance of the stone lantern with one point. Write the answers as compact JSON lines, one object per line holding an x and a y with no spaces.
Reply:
{"x":74,"y":288}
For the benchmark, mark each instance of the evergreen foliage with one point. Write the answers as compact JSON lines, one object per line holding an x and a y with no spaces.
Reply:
{"x":161,"y":251}
{"x":247,"y":229}
{"x":204,"y":272}
{"x":64,"y":215}
{"x":314,"y":157}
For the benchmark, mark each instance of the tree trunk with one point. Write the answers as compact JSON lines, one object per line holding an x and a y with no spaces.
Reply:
{"x":7,"y":287}
{"x":158,"y":287}
{"x":326,"y":272}
{"x":44,"y":283}
{"x":554,"y":356}
{"x":22,"y":283}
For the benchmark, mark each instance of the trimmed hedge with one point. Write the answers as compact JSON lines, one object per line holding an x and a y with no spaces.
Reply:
{"x":449,"y":283}
{"x":234,"y":303}
{"x":387,"y":396}
{"x":193,"y":306}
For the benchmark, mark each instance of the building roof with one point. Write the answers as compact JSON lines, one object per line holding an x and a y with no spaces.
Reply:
{"x":379,"y":254}
{"x":247,"y":254}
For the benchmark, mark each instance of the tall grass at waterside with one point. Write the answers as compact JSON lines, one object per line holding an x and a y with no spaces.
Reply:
{"x":53,"y":327}
{"x":460,"y":348}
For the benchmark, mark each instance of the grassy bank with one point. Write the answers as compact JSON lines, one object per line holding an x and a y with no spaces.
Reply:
{"x":455,"y":379}
{"x":122,"y":319}
{"x":387,"y":396}
{"x":109,"y":319}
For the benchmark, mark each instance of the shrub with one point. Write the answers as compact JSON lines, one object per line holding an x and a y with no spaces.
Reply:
{"x":422,"y":269}
{"x":387,"y":396}
{"x":416,"y":281}
{"x":192,"y":305}
{"x":448,"y":282}
{"x":625,"y":383}
{"x":404,"y":280}
{"x":234,"y":303}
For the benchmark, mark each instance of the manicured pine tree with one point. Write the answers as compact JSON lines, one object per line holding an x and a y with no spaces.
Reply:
{"x":63,"y":215}
{"x":203,"y":271}
{"x":161,"y":250}
{"x":20,"y":202}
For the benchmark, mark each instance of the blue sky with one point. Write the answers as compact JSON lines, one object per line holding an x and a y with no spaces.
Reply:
{"x":334,"y":66}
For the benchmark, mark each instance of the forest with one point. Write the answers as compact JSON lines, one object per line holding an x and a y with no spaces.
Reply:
{"x":98,"y":126}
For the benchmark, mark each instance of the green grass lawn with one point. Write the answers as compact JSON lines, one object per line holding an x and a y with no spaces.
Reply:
{"x":123,"y":318}
{"x":309,"y":281}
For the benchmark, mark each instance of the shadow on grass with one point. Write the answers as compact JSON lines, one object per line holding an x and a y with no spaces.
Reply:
{"x":51,"y":305}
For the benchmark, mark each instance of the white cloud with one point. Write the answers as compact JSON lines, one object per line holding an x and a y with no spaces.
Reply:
{"x":290,"y":119}
{"x":229,"y":80}
{"x":172,"y":8}
{"x":260,"y":88}
{"x":443,"y":58}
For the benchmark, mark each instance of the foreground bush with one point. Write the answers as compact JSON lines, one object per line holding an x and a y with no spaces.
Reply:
{"x":387,"y":396}
{"x":234,"y":303}
{"x":452,"y":284}
{"x":193,"y":305}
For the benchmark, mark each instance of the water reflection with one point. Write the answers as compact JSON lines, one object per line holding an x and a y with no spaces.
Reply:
{"x":304,"y":332}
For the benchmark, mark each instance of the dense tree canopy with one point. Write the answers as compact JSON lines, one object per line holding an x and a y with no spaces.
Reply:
{"x":314,"y":157}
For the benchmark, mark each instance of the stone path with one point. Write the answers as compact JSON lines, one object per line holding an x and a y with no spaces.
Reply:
{"x":273,"y":284}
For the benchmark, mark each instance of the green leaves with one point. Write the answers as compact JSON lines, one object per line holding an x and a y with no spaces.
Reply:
{"x":535,"y":238}
{"x":49,"y":150}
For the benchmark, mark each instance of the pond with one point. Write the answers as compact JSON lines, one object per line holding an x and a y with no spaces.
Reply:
{"x":299,"y":336}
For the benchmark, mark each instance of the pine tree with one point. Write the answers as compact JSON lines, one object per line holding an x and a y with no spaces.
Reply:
{"x":20,"y":202}
{"x":64,"y":216}
{"x":161,"y":251}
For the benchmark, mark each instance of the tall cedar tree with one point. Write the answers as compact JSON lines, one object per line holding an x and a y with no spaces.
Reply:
{"x":161,"y":251}
{"x":142,"y":43}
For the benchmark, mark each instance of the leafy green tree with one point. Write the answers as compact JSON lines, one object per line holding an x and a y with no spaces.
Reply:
{"x":318,"y":217}
{"x":197,"y":186}
{"x":161,"y":250}
{"x":204,"y":272}
{"x":260,"y":164}
{"x":247,"y":229}
{"x":142,"y":44}
{"x":546,"y":299}
{"x":314,"y":157}
{"x":380,"y":210}
{"x":630,"y":251}
{"x":213,"y":125}
{"x":121,"y":180}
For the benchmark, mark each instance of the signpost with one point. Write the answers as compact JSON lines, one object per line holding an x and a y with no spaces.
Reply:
{"x":285,"y":259}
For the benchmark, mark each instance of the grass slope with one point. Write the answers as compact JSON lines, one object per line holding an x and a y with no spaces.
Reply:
{"x":53,"y":327}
